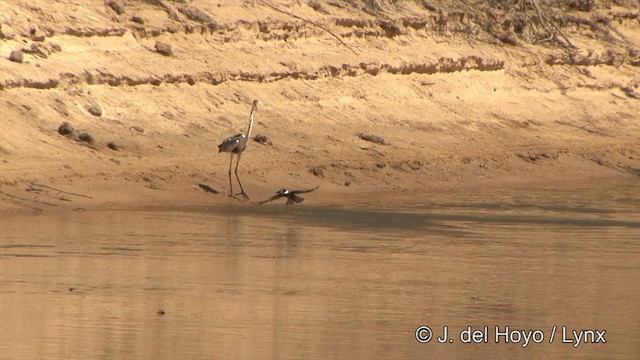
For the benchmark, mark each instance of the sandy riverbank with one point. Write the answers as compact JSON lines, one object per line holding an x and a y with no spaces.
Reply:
{"x":457,"y":107}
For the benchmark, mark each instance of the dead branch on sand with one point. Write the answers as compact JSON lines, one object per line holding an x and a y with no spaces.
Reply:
{"x":58,"y":190}
{"x":550,"y":25}
{"x":310,"y":22}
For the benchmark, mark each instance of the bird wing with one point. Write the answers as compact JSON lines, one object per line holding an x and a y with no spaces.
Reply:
{"x":294,"y":199}
{"x":231,"y":143}
{"x":274,"y":197}
{"x":302,"y":191}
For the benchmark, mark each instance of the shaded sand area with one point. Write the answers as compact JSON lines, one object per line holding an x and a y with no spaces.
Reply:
{"x":464,"y":94}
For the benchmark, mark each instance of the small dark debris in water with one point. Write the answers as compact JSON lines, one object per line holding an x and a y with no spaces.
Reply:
{"x":373,"y":138}
{"x":72,"y":289}
{"x":475,"y":298}
{"x":208,"y":189}
{"x":65,"y":129}
{"x":262,"y":139}
{"x":86,"y":137}
{"x":347,"y":183}
{"x":160,"y":312}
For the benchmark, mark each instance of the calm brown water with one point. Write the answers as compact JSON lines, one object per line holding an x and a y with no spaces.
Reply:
{"x":327,"y":282}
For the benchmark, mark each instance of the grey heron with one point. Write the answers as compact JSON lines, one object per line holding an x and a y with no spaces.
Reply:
{"x":291,"y":195}
{"x":235,"y":145}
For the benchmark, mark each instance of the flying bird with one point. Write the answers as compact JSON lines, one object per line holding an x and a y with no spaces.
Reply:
{"x":291,"y":195}
{"x":235,"y":145}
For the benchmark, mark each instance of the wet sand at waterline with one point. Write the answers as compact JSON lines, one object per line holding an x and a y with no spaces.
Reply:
{"x":348,"y":279}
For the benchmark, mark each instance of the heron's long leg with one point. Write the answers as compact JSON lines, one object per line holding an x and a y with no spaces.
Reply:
{"x":230,"y":183}
{"x":244,"y":195}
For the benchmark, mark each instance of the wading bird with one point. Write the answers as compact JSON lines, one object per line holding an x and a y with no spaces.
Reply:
{"x":291,"y":195}
{"x":235,"y":145}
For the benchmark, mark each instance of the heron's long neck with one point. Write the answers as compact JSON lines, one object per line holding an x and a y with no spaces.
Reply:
{"x":250,"y":123}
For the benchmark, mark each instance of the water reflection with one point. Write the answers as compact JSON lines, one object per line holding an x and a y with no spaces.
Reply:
{"x":331,"y":281}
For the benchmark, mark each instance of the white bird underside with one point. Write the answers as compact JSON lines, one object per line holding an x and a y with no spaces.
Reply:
{"x":291,"y":195}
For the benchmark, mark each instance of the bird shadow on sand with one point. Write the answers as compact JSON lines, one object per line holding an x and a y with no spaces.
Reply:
{"x":208,"y":189}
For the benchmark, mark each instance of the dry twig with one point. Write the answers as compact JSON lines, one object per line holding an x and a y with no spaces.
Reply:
{"x":310,"y":22}
{"x":62,"y":191}
{"x":547,"y":23}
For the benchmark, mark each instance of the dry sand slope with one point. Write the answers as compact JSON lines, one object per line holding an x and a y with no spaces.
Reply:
{"x":464,"y":93}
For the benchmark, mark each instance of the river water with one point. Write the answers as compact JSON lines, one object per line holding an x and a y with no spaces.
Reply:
{"x":345,"y":280}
